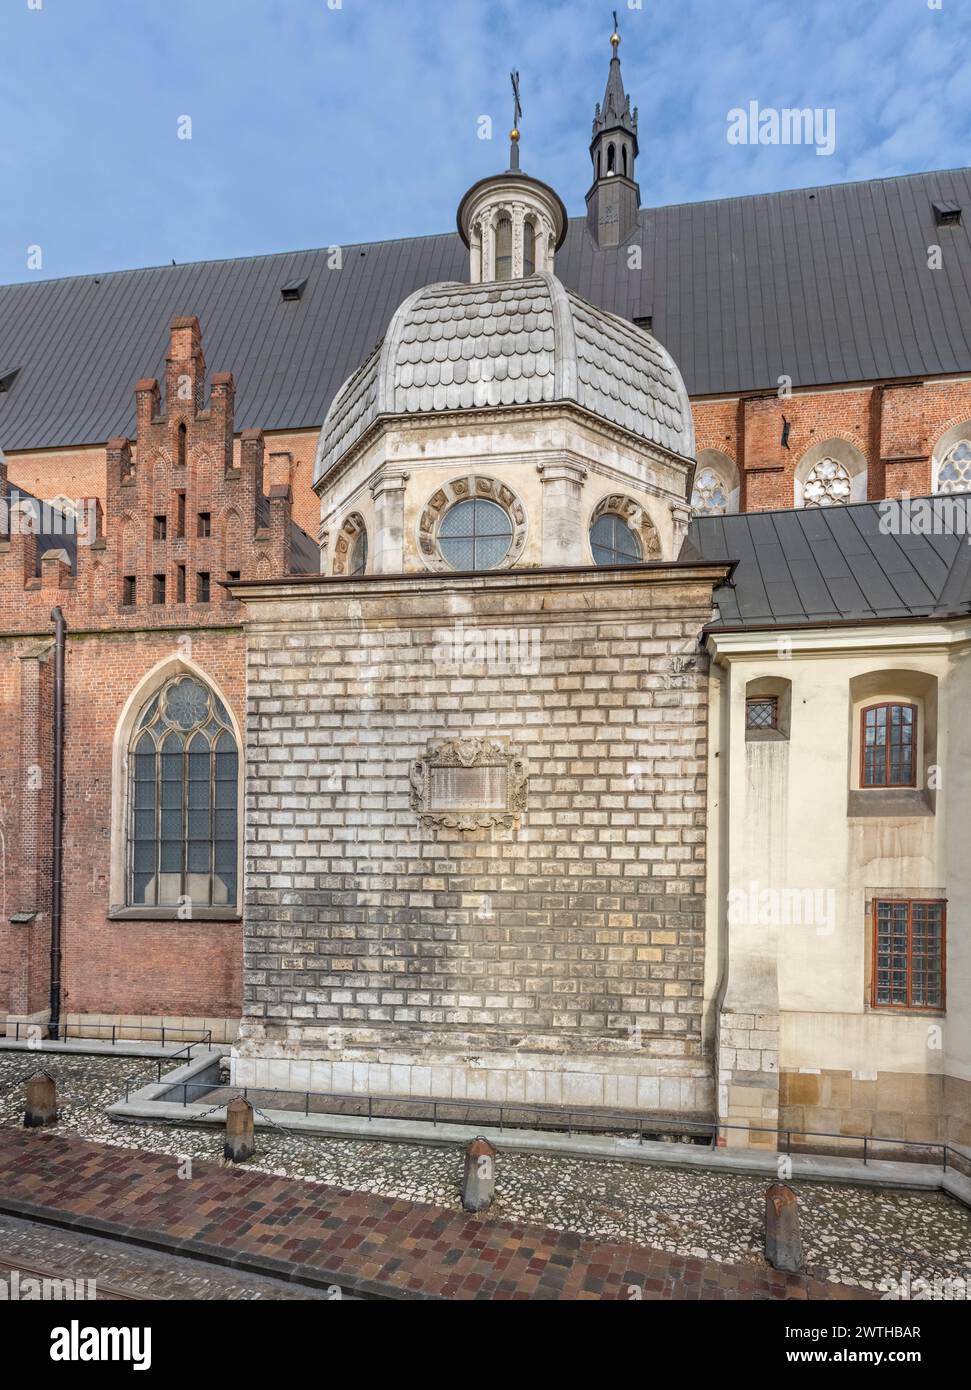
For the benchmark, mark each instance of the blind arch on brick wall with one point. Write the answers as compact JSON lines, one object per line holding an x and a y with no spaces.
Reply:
{"x":177,"y":757}
{"x":831,"y":473}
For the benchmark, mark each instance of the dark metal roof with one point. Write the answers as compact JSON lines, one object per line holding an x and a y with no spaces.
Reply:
{"x":823,"y":285}
{"x":839,"y":564}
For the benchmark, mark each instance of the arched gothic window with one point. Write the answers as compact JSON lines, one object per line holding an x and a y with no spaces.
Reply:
{"x":504,"y":248}
{"x":183,"y":801}
{"x":954,"y":473}
{"x":611,"y":159}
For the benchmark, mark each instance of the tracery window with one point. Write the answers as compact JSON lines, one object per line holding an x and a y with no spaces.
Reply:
{"x":183,"y":807}
{"x":710,"y":496}
{"x":954,"y":474}
{"x":827,"y":484}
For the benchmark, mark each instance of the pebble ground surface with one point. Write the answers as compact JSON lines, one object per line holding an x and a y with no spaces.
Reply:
{"x":880,"y":1240}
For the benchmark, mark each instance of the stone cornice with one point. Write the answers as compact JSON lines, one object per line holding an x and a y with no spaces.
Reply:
{"x":546,"y":410}
{"x":844,"y":639}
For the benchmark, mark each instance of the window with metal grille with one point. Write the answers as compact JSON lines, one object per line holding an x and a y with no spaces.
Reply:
{"x":888,"y":743}
{"x":762,"y":712}
{"x":183,"y":801}
{"x":908,"y":954}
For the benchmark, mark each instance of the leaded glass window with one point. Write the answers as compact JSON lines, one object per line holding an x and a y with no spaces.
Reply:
{"x":710,"y":497}
{"x":762,"y":712}
{"x":889,"y":743}
{"x":613,"y":542}
{"x":908,"y":954}
{"x":183,"y":801}
{"x":475,"y":535}
{"x":827,"y":484}
{"x":954,"y":474}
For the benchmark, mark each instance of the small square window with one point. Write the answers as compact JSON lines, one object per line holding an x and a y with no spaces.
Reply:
{"x":160,"y":528}
{"x":762,"y":712}
{"x":202,"y":587}
{"x":205,"y":525}
{"x":158,"y":588}
{"x":128,"y":590}
{"x":233,"y":575}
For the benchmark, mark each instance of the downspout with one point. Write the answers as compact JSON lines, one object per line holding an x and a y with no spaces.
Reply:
{"x":57,"y":817}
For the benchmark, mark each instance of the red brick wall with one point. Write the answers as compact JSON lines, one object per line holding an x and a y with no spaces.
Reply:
{"x":165,"y":967}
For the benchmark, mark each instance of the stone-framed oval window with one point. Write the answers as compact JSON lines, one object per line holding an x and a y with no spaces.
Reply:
{"x":622,"y":533}
{"x":472,"y":523}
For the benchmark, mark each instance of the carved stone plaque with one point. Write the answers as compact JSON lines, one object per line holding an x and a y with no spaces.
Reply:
{"x":469,"y":784}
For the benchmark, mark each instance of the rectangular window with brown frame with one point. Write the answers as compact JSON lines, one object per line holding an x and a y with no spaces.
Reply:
{"x":158,"y":588}
{"x":908,"y":954}
{"x":180,"y":584}
{"x":180,"y":515}
{"x":160,"y":528}
{"x":202,"y":587}
{"x":888,"y":746}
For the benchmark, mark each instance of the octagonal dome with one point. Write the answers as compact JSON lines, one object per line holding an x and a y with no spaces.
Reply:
{"x":452,"y":347}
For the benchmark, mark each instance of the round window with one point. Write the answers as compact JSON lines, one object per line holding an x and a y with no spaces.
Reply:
{"x":613,"y":542}
{"x":475,"y":535}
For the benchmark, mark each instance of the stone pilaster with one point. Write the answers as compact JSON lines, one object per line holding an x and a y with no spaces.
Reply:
{"x":388,"y":492}
{"x":562,"y":516}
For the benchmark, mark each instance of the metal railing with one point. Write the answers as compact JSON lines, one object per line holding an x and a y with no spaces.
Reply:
{"x":519,"y":1115}
{"x":95,"y":1032}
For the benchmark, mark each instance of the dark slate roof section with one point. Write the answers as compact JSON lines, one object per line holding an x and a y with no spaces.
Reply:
{"x":837,"y":564}
{"x":825,"y":285}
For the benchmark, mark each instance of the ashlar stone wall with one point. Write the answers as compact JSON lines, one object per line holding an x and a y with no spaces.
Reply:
{"x":557,"y":958}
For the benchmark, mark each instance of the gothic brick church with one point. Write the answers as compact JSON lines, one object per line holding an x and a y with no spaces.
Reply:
{"x":521,"y":670}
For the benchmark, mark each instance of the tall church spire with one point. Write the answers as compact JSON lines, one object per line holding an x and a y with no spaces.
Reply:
{"x":614,"y":198}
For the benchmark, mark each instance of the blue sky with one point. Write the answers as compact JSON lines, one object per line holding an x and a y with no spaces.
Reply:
{"x":324,"y":122}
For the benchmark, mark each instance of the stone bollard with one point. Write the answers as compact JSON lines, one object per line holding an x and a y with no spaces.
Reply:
{"x":783,"y":1245}
{"x":240,"y":1143}
{"x":479,"y":1178}
{"x":41,"y":1101}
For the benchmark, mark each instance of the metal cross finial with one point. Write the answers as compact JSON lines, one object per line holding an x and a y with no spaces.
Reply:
{"x":517,"y":116}
{"x":615,"y":36}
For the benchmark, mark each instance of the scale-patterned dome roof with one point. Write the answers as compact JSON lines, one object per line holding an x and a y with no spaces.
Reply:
{"x":515,"y":342}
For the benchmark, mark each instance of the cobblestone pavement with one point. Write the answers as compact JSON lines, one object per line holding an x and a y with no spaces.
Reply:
{"x":860,"y":1236}
{"x":34,"y":1249}
{"x":365,"y":1243}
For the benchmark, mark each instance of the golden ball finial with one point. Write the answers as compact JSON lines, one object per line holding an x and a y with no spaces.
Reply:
{"x":514,"y":134}
{"x":615,"y":40}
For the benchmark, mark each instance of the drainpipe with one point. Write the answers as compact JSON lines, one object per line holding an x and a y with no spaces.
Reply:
{"x":57,"y":842}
